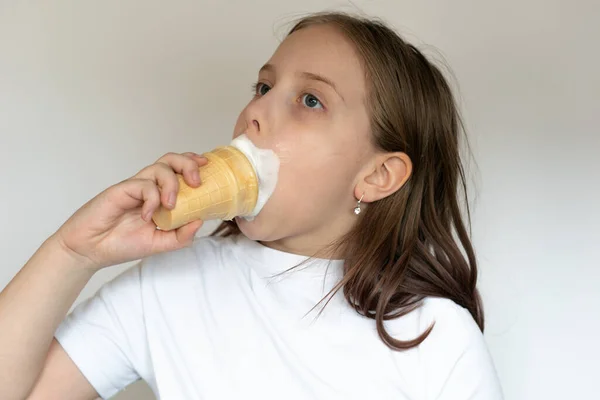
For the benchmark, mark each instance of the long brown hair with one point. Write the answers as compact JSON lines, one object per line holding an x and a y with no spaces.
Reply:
{"x":414,"y":243}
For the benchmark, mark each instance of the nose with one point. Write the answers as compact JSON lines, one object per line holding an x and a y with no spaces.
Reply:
{"x":256,"y":116}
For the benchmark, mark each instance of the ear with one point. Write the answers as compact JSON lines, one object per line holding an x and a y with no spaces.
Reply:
{"x":385,"y":176}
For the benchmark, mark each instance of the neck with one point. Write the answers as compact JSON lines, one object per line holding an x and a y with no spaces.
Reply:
{"x":319,"y":243}
{"x":296,"y":246}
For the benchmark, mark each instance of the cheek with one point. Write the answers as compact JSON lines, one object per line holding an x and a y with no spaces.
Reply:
{"x":283,"y":151}
{"x":312,"y":188}
{"x":318,"y":166}
{"x":312,"y":177}
{"x":320,"y":162}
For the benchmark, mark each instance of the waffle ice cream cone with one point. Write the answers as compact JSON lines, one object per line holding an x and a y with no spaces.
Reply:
{"x":229,"y":188}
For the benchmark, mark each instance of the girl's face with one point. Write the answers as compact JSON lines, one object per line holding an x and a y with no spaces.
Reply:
{"x":310,"y":109}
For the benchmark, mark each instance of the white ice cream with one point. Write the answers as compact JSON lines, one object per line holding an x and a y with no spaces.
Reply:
{"x":266,"y":165}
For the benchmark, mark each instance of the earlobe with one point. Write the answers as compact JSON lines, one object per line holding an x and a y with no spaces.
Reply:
{"x":390,"y":173}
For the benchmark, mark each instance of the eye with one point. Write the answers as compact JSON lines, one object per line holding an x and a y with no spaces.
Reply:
{"x":311,"y":101}
{"x":261,"y":88}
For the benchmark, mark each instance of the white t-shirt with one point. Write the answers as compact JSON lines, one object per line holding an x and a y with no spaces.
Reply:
{"x":213,"y":322}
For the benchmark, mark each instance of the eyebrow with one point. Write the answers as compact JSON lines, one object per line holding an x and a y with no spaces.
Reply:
{"x":307,"y":75}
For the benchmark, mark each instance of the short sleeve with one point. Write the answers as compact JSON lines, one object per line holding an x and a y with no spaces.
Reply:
{"x":105,"y":335}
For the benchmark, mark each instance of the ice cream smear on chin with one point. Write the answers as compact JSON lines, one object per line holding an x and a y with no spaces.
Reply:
{"x":266,"y":165}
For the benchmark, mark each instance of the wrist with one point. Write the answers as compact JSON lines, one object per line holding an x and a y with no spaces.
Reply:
{"x":68,"y":257}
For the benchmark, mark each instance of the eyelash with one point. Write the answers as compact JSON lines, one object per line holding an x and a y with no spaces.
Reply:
{"x":256,"y":86}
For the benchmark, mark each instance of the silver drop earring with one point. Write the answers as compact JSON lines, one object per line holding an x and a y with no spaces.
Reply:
{"x":357,"y":210}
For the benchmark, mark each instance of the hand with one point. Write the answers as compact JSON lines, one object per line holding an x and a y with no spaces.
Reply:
{"x":116,"y":226}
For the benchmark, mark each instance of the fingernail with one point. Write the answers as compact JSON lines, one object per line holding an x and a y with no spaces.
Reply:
{"x":172,"y":198}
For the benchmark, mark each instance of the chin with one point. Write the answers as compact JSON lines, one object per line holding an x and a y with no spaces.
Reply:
{"x":255,"y":229}
{"x":250,"y":229}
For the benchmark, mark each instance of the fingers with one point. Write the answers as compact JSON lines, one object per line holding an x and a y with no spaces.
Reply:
{"x":145,"y":193}
{"x":167,"y":181}
{"x":185,"y":164}
{"x":164,"y":173}
{"x":185,"y":234}
{"x":151,"y":198}
{"x":138,"y":191}
{"x":200,"y":160}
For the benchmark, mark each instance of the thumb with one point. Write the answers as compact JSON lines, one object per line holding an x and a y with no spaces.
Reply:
{"x":177,"y":238}
{"x":186,"y":233}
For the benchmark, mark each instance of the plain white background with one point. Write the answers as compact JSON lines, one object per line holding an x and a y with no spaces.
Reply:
{"x":90,"y":92}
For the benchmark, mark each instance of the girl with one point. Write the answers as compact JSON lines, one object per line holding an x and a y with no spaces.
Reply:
{"x":356,"y":281}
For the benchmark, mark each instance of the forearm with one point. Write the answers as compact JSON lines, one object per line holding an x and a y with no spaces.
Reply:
{"x":31,"y":308}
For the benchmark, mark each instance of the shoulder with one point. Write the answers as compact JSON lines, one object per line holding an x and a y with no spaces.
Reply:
{"x":206,"y":261}
{"x":203,"y":251}
{"x":452,"y":323}
{"x":454,"y":334}
{"x":454,"y":360}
